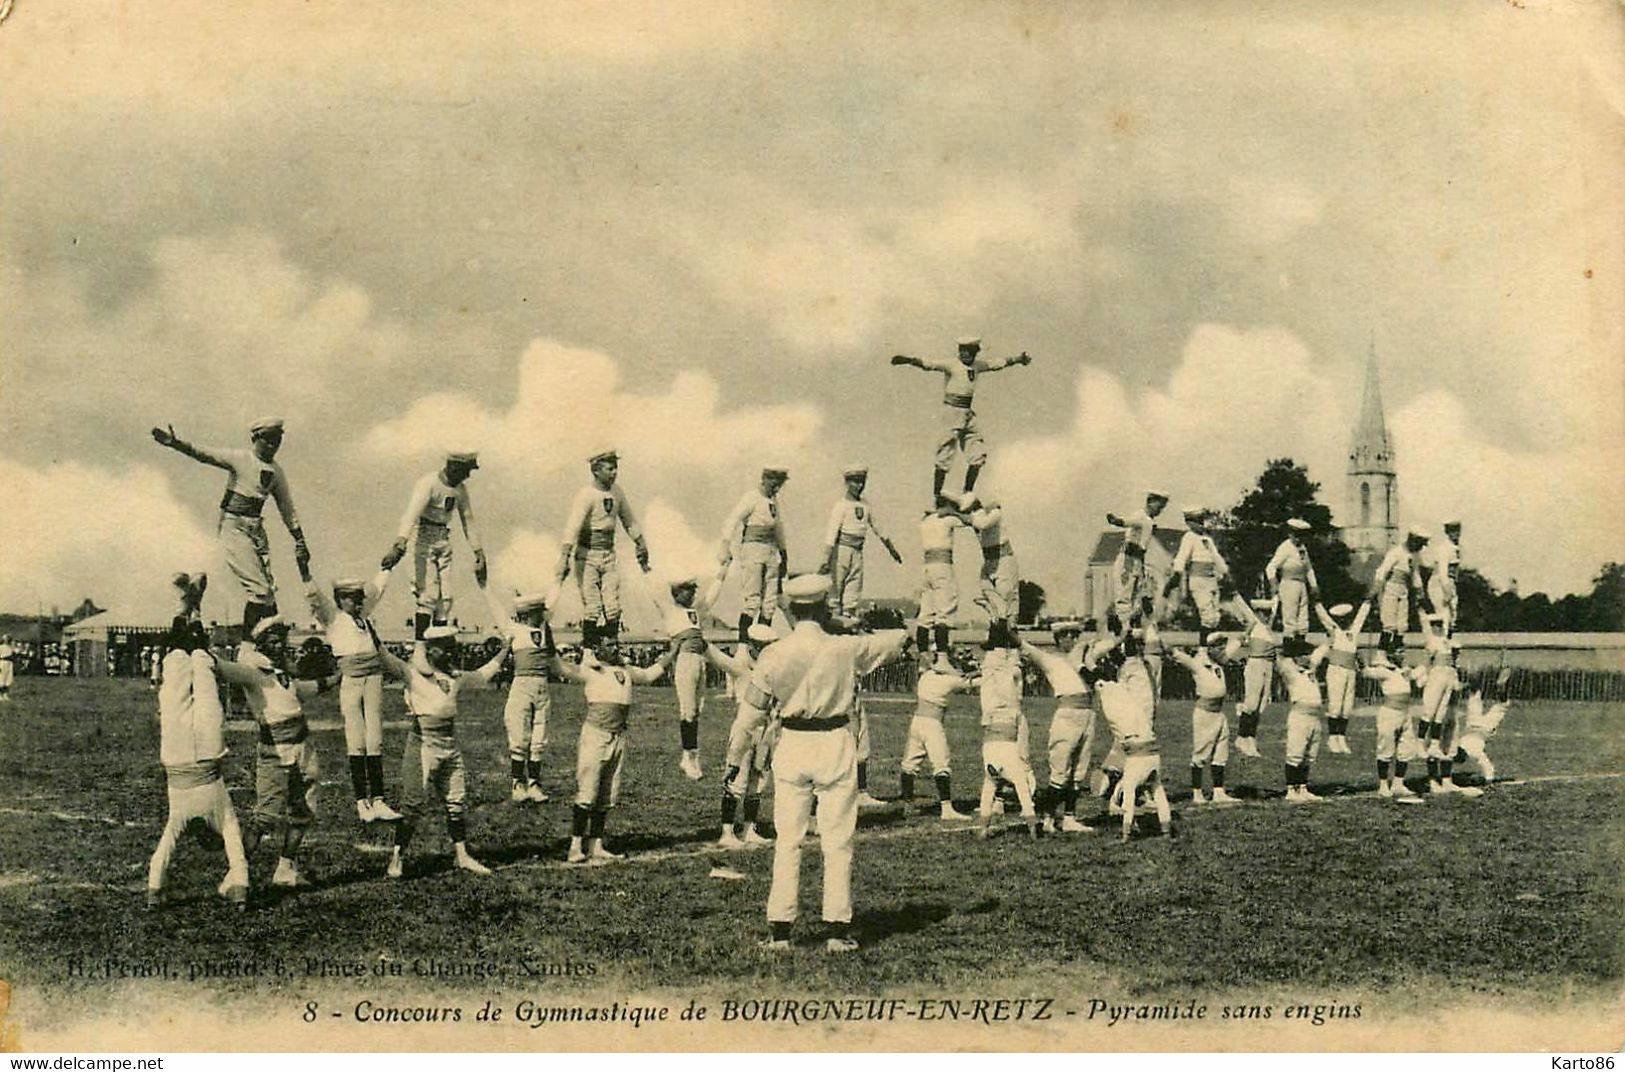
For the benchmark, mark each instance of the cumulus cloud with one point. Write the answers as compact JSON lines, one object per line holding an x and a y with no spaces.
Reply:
{"x":222,"y":324}
{"x":829,"y":278}
{"x":527,"y":560}
{"x":1547,"y":518}
{"x":67,"y":522}
{"x":1240,"y":396}
{"x":570,"y":402}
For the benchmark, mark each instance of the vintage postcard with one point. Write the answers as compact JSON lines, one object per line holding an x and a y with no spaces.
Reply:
{"x":786,"y":526}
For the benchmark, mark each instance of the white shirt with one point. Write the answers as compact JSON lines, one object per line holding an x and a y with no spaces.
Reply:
{"x":935,"y":687}
{"x":595,"y":510}
{"x":1001,"y":692}
{"x":1062,"y":673}
{"x":1198,"y":547}
{"x":1290,"y":563}
{"x":250,"y":478}
{"x":1137,"y":529}
{"x":434,"y":501}
{"x":348,"y":635}
{"x":1396,"y":568}
{"x":755,"y":511}
{"x":1127,"y":702}
{"x":937,"y":532}
{"x":853,"y":518}
{"x":813,"y":674}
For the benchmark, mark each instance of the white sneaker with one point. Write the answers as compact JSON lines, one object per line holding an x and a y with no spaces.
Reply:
{"x":1338,"y":744}
{"x":520,"y":794}
{"x":998,"y":806}
{"x":1248,"y":746}
{"x":1385,"y":790}
{"x":364,"y":812}
{"x":534,"y":794}
{"x":690,"y":766}
{"x":841,"y":945}
{"x":729,"y":840}
{"x":774,"y":945}
{"x":383,"y":812}
{"x":1046,"y":825}
{"x":1069,"y":825}
{"x":1401,"y":790}
{"x":575,"y":856}
{"x":603,"y":855}
{"x":754,"y":837}
{"x":1469,"y":790}
{"x":1306,"y":797}
{"x":867,"y":801}
{"x":1434,"y":750}
{"x":1197,"y":799}
{"x":467,"y":863}
{"x":1221,"y":797}
{"x":394,"y":868}
{"x":1440,"y":788}
{"x":1293,"y":796}
{"x":951,"y":814}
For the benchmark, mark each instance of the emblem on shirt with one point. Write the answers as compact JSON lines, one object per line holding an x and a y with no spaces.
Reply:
{"x":609,"y":505}
{"x":772,"y":509}
{"x":446,"y":503}
{"x":857,"y":512}
{"x":266,"y":476}
{"x":620,"y":677}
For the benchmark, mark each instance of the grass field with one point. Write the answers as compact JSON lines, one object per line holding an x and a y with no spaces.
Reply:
{"x":1517,"y":893}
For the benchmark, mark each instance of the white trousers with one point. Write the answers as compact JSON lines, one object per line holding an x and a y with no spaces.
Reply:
{"x":810,"y":765}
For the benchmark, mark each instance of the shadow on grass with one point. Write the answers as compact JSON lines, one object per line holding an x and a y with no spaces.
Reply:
{"x":877,"y":924}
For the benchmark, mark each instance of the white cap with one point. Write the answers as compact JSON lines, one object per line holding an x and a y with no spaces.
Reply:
{"x":440,"y":632}
{"x":1340,"y":610}
{"x":807,"y":588}
{"x":349,"y":584}
{"x":855,"y":470}
{"x":1193,"y":511}
{"x":460,"y":456}
{"x":1417,"y":531}
{"x":256,"y":660}
{"x":529,"y":601}
{"x":1157,"y":493}
{"x":1298,"y":524}
{"x":760,"y":633}
{"x":776,"y":469}
{"x":265,"y":424}
{"x":970,"y":340}
{"x":967,"y":501}
{"x":1453,"y":523}
{"x":687,"y":580}
{"x":1066,"y":627}
{"x":603,"y":452}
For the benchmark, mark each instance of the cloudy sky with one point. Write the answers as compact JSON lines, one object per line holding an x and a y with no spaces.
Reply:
{"x":699,"y":231}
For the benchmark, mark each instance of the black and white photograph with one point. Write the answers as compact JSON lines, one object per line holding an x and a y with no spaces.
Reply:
{"x":768,"y":526}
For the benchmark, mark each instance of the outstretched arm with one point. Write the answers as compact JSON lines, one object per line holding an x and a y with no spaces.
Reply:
{"x":566,"y":670}
{"x":648,"y":675}
{"x":166,"y":437}
{"x":905,"y":359}
{"x":1359,"y":618}
{"x":1000,"y":363}
{"x":482,"y":677}
{"x":1327,"y":622}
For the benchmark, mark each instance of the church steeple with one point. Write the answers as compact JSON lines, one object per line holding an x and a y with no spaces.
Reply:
{"x":1371,"y":512}
{"x":1371,"y":450}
